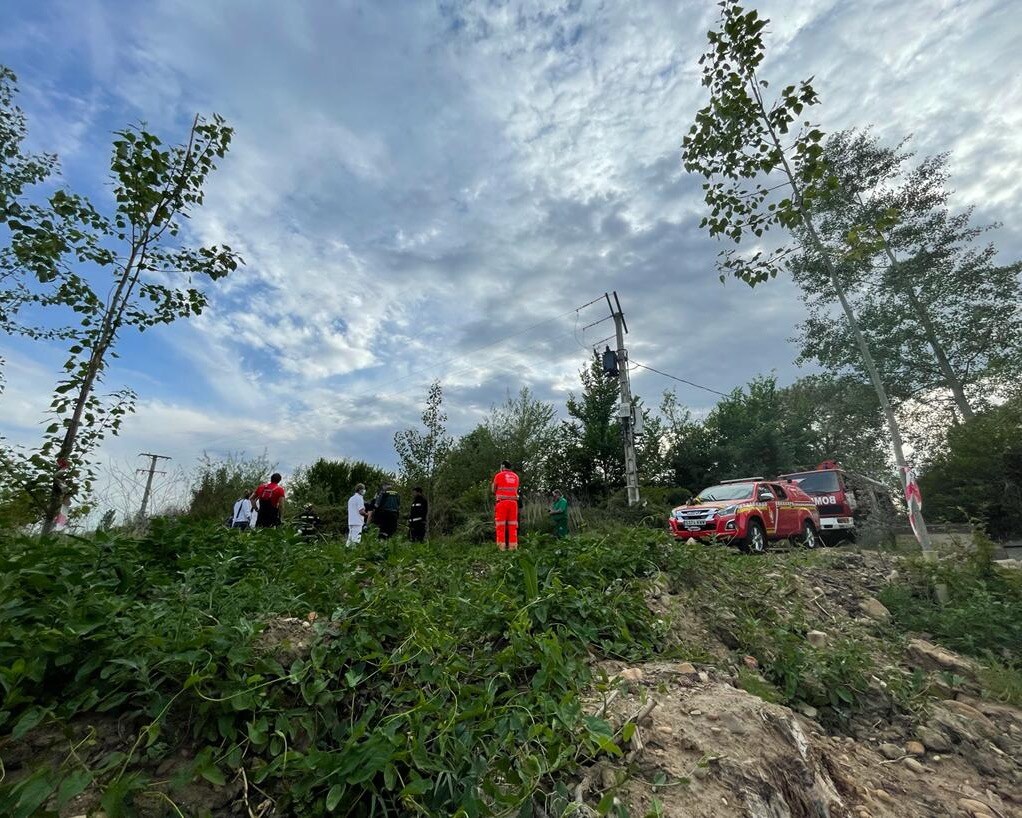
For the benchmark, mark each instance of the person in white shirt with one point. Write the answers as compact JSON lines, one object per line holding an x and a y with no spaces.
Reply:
{"x":356,"y":514}
{"x":242,"y":513}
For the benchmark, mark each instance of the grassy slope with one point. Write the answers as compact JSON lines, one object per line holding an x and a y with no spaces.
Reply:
{"x":442,"y":678}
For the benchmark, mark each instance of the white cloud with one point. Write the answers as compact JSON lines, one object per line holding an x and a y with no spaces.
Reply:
{"x":411,"y":182}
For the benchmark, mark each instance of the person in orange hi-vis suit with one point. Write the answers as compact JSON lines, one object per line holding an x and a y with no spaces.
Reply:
{"x":505,"y":511}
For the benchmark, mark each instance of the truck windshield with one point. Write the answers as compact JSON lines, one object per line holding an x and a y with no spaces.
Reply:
{"x":731,"y":491}
{"x":817,"y":482}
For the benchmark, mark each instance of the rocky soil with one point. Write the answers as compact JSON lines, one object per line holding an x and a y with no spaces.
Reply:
{"x":704,"y":747}
{"x":708,"y":749}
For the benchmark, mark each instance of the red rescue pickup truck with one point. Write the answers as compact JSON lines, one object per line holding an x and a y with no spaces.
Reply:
{"x":749,"y":512}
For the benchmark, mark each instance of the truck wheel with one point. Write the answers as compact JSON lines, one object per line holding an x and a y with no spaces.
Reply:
{"x":755,"y":540}
{"x":809,"y":539}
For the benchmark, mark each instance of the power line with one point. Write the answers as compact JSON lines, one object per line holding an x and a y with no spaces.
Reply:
{"x":681,"y":380}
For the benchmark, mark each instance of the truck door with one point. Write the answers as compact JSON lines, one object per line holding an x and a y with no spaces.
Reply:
{"x":765,"y":499}
{"x":787,"y":515}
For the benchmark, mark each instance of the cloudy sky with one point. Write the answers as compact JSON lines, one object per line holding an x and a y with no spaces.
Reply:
{"x":429,"y":189}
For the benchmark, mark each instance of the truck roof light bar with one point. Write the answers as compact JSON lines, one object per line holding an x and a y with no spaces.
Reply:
{"x":742,"y":480}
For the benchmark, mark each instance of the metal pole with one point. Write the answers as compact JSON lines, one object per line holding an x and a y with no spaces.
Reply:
{"x":627,"y":426}
{"x":142,"y":512}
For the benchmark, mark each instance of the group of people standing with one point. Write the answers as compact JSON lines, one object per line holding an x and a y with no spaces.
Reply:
{"x":385,"y":510}
{"x":262,"y":509}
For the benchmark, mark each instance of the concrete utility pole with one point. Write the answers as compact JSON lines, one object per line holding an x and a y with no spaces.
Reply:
{"x":625,"y":412}
{"x":142,"y":512}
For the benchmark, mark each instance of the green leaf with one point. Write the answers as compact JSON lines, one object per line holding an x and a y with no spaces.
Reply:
{"x":72,"y":785}
{"x":333,"y":797}
{"x":29,"y":719}
{"x":418,"y":786}
{"x":213,"y":775}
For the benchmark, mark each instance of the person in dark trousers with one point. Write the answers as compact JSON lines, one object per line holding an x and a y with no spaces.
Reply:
{"x":308,"y":522}
{"x":269,"y":499}
{"x":387,"y":506}
{"x":417,"y":516}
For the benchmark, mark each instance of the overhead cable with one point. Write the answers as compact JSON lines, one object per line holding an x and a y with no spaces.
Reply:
{"x":681,"y":380}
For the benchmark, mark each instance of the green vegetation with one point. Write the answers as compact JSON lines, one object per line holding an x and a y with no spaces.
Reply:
{"x":978,"y":474}
{"x":983,"y":613}
{"x":434,"y":679}
{"x":441,"y":677}
{"x":218,"y":484}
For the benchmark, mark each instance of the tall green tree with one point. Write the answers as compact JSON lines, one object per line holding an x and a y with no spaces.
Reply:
{"x":939,"y":312}
{"x":764,"y":429}
{"x":331,"y":482}
{"x":765,"y":168}
{"x":842,"y":422}
{"x":129,"y":270}
{"x":220,"y":482}
{"x":523,"y":431}
{"x":422,"y":453}
{"x":588,"y":455}
{"x":977,"y":475}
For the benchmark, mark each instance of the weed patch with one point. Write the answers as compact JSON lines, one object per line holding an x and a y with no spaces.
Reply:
{"x":440,"y":679}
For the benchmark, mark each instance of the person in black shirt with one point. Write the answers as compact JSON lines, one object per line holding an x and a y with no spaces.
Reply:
{"x":387,"y":505}
{"x":417,"y":515}
{"x":308,"y":522}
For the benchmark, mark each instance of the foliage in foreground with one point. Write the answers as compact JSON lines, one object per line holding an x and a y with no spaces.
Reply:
{"x":442,"y":678}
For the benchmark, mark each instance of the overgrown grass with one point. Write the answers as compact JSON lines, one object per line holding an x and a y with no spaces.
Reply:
{"x":444,"y":678}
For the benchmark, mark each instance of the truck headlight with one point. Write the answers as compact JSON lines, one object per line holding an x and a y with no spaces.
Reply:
{"x":727,"y":511}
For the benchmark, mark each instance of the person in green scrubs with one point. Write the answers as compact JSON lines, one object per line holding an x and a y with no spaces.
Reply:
{"x":559,"y":514}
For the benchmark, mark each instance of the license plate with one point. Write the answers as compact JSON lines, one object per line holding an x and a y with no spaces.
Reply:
{"x":693,"y":526}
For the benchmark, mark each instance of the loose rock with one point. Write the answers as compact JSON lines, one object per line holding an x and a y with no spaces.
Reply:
{"x":807,"y":710}
{"x":973,"y":807}
{"x":817,"y":638}
{"x":750,"y":662}
{"x":891,"y":751}
{"x":631,"y":674}
{"x":874,"y":609}
{"x":914,"y":765}
{"x":928,"y":656}
{"x":934,"y":740}
{"x":686,"y":669}
{"x":915,"y":748}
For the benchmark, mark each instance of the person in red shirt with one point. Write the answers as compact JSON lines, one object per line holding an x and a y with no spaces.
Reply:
{"x":269,"y":498}
{"x":505,"y":510}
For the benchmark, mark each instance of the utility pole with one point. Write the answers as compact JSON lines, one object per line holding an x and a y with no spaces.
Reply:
{"x":626,"y":411}
{"x":149,"y":480}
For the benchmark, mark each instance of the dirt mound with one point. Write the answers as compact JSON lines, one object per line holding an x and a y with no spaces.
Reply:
{"x":286,"y":638}
{"x":708,"y":749}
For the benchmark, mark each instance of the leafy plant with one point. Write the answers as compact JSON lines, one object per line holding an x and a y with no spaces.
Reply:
{"x":436,"y":678}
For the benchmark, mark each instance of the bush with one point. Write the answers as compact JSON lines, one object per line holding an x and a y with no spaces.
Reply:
{"x":219,"y":484}
{"x":978,"y":475}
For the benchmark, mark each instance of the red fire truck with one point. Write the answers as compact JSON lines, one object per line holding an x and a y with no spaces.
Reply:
{"x":750,"y":513}
{"x":846,"y":501}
